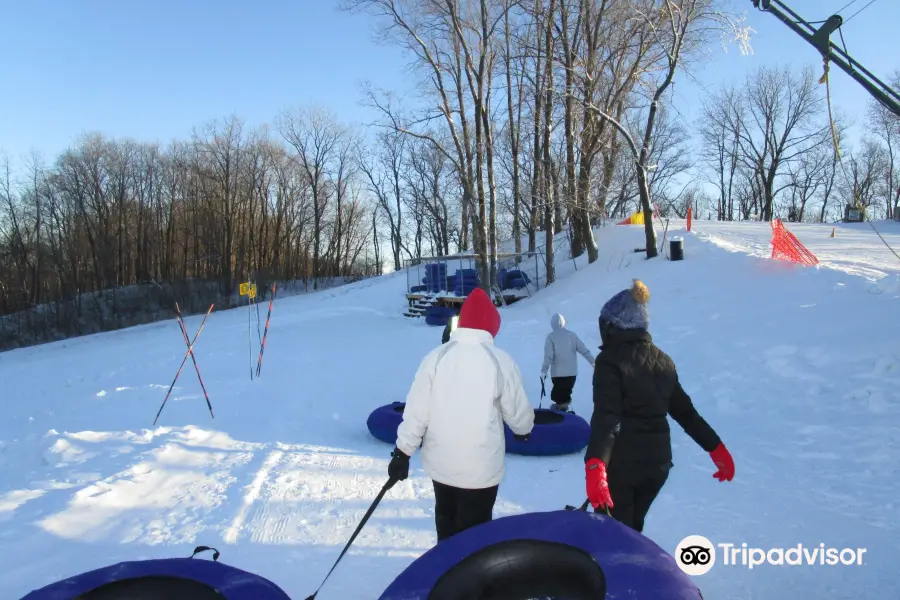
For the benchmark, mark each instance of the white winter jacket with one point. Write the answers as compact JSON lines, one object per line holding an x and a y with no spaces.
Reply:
{"x":561,"y":350}
{"x":462,"y":394}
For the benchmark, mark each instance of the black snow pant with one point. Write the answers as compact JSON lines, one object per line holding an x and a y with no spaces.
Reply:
{"x":562,"y":390}
{"x":457,"y":509}
{"x":633,"y":492}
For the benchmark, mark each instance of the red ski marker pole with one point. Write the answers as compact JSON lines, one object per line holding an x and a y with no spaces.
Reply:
{"x":187,"y":341}
{"x":262,"y":346}
{"x":183,"y":360}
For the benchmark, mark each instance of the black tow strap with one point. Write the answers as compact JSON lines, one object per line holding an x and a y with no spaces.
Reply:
{"x":390,"y":483}
{"x":200,"y":549}
{"x":584,"y":507}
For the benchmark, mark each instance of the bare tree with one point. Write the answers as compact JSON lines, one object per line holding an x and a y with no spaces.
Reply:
{"x":807,"y":177}
{"x":669,"y":157}
{"x":780,"y":123}
{"x":452,"y":46}
{"x":865,"y":170}
{"x":720,"y":131}
{"x":514,"y":101}
{"x":318,"y":141}
{"x":384,"y":173}
{"x":885,"y":125}
{"x":550,"y":199}
{"x":426,"y":181}
{"x":614,"y":49}
{"x":679,"y":30}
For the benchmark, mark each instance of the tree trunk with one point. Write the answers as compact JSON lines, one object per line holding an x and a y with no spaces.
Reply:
{"x":514,"y":124}
{"x":549,"y":199}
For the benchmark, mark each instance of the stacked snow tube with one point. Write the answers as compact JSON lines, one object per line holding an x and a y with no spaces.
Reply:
{"x":196,"y":579}
{"x":384,"y":421}
{"x":439,"y":316}
{"x":515,"y":280}
{"x":555,"y":433}
{"x":466,"y":281}
{"x":568,"y":553}
{"x":435,"y":277}
{"x":418,"y":288}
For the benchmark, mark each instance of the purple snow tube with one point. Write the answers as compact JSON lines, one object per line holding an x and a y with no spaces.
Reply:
{"x":384,"y":421}
{"x":555,"y":433}
{"x":569,"y":553}
{"x":163,"y":578}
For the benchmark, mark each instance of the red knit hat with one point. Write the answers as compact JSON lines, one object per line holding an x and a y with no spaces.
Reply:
{"x":479,"y":312}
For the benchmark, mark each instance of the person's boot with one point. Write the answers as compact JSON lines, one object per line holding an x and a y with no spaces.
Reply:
{"x":561,"y":407}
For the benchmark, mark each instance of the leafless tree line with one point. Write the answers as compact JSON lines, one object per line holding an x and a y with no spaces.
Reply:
{"x":227,"y":206}
{"x":531,"y":117}
{"x":770,"y":148}
{"x":545,"y":114}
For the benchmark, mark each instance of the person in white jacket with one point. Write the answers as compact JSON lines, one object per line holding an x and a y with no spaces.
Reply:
{"x":561,"y":350}
{"x":462,"y":394}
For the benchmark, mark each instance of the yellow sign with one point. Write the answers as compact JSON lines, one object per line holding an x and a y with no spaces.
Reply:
{"x":253,"y":290}
{"x":245,"y":289}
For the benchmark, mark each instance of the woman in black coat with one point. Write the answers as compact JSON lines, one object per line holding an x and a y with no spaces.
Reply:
{"x":636,"y":388}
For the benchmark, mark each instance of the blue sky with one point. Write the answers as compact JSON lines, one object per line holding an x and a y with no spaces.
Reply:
{"x":154,"y":70}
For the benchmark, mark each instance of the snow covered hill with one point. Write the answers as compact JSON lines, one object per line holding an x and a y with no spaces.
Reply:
{"x":797,"y":368}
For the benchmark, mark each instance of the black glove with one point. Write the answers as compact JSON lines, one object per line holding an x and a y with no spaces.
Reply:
{"x":398,"y":470}
{"x":522,"y":438}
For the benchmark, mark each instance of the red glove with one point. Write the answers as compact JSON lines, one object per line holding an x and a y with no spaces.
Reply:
{"x":597,"y":488}
{"x":722,"y":458}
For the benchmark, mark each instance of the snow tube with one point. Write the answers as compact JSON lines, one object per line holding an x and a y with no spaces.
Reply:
{"x":555,"y":433}
{"x":466,"y":281}
{"x":162,"y":578}
{"x":384,"y":421}
{"x":435,"y":276}
{"x":568,"y":553}
{"x":438,"y":316}
{"x":515,"y":280}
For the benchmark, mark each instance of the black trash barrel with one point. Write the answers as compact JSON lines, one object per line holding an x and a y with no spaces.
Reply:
{"x":676,"y":249}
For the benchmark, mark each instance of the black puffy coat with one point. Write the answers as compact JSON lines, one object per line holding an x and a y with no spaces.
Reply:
{"x":636,"y":388}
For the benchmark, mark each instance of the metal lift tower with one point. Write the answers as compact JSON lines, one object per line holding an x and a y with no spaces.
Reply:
{"x":820,"y":39}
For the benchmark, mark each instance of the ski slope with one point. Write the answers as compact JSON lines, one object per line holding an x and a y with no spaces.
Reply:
{"x":855,"y":249}
{"x":797,"y":368}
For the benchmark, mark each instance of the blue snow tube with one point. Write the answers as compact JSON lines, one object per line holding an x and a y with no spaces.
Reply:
{"x":435,"y":276}
{"x":162,"y":578}
{"x":466,"y":281}
{"x":568,"y":553}
{"x":384,"y":421}
{"x":515,"y":280}
{"x":438,"y":316}
{"x":555,"y":433}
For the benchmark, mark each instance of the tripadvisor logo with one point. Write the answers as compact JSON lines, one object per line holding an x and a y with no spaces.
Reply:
{"x":696,"y":555}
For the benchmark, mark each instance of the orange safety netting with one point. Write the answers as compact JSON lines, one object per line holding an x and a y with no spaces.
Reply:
{"x":787,"y":247}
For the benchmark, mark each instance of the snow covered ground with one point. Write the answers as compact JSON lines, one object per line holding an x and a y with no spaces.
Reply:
{"x":798,"y":369}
